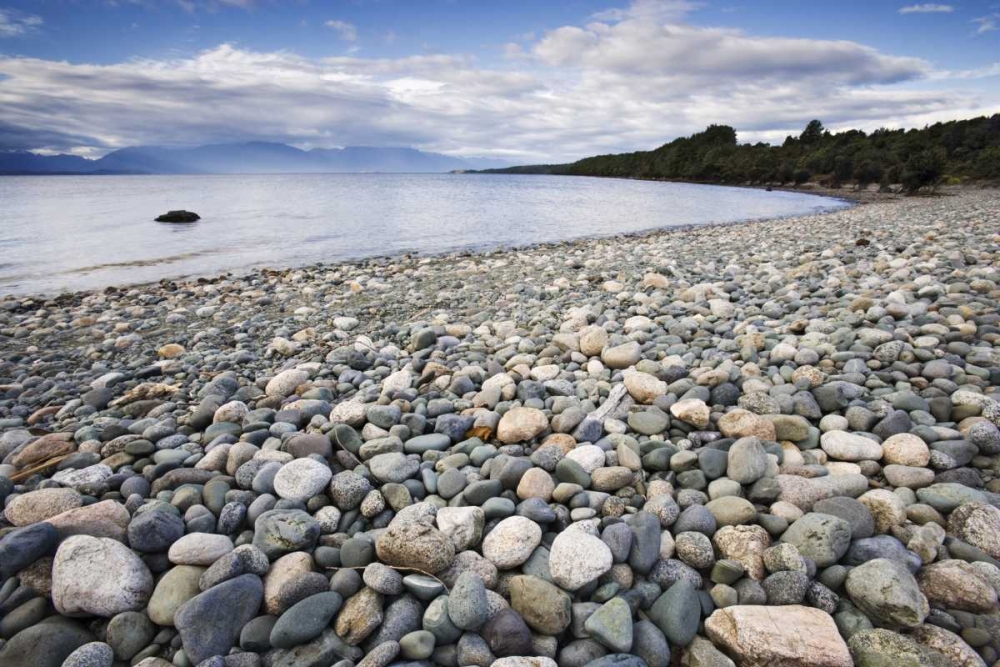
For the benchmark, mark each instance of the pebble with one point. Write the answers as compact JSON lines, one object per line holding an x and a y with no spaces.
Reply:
{"x":511,"y":542}
{"x":301,"y":479}
{"x":886,"y":591}
{"x":305,"y":620}
{"x":210,"y":622}
{"x":98,"y":576}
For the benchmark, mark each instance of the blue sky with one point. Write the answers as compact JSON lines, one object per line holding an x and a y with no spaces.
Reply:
{"x":523,"y":80}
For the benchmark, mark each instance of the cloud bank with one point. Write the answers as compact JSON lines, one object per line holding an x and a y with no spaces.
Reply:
{"x":628,"y":80}
{"x":926,"y":8}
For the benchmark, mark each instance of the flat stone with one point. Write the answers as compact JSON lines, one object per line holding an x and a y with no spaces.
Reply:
{"x":360,"y":615}
{"x":791,"y":636}
{"x":305,"y":620}
{"x":199,"y":549}
{"x":844,"y":446}
{"x":468,"y":606}
{"x":46,"y":644}
{"x":210,"y":622}
{"x":178,"y":585}
{"x":955,"y":584}
{"x":35,"y":506}
{"x":107,"y":518}
{"x":21,"y":547}
{"x":393,"y":467}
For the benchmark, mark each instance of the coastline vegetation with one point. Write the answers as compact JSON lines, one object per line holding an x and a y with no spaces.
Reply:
{"x":953,"y":152}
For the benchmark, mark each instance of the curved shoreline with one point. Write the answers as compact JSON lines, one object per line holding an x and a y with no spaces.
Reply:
{"x":187,"y":274}
{"x":245,"y":271}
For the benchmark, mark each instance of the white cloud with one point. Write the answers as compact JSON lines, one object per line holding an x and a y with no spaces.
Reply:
{"x":719,"y":55}
{"x":977,"y":73}
{"x":650,"y":10}
{"x":14,"y":23}
{"x":986,"y":24}
{"x":927,"y":8}
{"x":609,"y":86}
{"x":346,"y":30}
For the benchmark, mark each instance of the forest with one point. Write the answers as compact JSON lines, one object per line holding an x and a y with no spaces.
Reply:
{"x":958,"y":151}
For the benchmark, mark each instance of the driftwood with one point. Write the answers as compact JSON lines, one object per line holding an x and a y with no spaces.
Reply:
{"x":25,"y":474}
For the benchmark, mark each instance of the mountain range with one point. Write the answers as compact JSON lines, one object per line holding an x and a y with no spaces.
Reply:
{"x":254,"y":157}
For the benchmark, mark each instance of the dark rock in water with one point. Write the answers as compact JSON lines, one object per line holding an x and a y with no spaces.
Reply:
{"x":210,"y":623}
{"x":46,"y":644}
{"x":179,"y":216}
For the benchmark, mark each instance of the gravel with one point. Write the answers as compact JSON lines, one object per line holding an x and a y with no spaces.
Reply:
{"x":756,"y":444}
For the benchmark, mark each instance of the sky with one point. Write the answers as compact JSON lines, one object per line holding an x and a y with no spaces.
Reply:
{"x":522,"y":80}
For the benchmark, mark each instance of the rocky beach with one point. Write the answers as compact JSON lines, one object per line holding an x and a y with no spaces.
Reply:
{"x":765,"y":444}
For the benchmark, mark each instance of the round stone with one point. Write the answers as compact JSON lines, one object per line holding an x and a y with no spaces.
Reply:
{"x":577,"y":558}
{"x":415,"y":545}
{"x":511,"y":542}
{"x":521,"y":425}
{"x":98,"y":576}
{"x":906,"y":450}
{"x":199,"y":549}
{"x":844,"y":446}
{"x":301,"y":479}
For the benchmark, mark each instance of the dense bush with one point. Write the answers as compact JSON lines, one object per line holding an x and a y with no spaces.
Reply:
{"x":966,"y":149}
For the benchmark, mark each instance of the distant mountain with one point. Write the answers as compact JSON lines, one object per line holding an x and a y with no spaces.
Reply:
{"x":255,"y":157}
{"x":24,"y":161}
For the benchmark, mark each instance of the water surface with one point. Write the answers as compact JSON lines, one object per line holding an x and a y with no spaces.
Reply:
{"x":61,"y":233}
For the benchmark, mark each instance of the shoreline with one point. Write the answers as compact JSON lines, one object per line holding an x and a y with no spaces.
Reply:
{"x":244,"y":272}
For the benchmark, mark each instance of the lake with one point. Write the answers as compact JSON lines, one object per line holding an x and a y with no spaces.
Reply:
{"x":62,"y":233}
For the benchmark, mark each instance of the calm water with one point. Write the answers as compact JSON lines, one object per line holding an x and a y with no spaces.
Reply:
{"x":81,"y":232}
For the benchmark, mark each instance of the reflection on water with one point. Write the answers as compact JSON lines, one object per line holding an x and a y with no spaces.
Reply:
{"x":83,"y":232}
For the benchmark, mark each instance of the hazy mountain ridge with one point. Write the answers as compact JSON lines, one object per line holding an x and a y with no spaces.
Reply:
{"x":243,"y":158}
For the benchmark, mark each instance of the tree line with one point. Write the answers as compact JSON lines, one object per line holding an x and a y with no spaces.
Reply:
{"x":956,"y":151}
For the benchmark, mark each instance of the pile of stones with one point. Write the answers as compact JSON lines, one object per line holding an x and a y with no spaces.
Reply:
{"x":756,"y":445}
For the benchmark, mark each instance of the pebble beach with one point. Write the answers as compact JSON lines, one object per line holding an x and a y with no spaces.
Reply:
{"x":771,"y":444}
